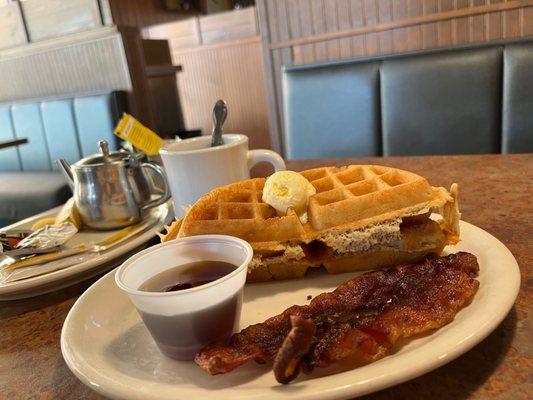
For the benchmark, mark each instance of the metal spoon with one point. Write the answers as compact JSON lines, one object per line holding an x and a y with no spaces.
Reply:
{"x":220,"y":112}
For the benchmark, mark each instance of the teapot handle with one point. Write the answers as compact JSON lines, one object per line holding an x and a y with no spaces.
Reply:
{"x":166,"y":195}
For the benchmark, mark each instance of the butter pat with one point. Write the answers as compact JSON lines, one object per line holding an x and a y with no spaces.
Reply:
{"x":288,"y":189}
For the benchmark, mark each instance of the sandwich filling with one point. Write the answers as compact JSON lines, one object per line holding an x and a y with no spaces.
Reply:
{"x":292,"y":252}
{"x":415,"y":233}
{"x":358,"y":240}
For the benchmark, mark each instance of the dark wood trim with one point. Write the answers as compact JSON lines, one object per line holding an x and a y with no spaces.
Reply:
{"x":12,"y":143}
{"x":139,"y":103}
{"x":162,"y":70}
{"x":273,"y":116}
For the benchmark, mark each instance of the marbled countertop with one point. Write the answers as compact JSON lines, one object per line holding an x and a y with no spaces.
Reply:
{"x":495,"y":194}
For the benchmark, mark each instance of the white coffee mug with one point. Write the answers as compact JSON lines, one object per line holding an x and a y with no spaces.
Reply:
{"x":194,"y":168}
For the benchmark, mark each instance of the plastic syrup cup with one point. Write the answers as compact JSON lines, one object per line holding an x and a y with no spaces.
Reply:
{"x":182,"y":322}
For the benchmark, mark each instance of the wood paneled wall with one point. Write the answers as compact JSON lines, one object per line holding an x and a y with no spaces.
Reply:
{"x":216,"y":28}
{"x":54,"y":18}
{"x":232,"y":71}
{"x":12,"y":31}
{"x":221,"y":57}
{"x":294,"y":31}
{"x":26,"y":21}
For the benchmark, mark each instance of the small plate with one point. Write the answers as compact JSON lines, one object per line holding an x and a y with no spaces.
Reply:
{"x":101,"y":262}
{"x":123,"y":362}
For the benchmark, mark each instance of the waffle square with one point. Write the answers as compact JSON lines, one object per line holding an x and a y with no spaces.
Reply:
{"x":239,"y":210}
{"x":362,"y":192}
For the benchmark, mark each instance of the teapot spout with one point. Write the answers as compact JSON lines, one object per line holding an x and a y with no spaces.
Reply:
{"x":64,"y":167}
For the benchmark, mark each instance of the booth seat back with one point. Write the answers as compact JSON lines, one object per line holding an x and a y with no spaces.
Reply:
{"x":58,"y":128}
{"x":450,"y":101}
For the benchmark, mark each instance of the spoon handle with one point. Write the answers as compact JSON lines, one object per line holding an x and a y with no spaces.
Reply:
{"x":220,"y":112}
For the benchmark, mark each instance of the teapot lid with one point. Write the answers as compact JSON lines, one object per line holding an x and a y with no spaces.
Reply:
{"x":107,"y":157}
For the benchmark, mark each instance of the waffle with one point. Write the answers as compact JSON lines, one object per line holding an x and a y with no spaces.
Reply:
{"x":347,"y":199}
{"x":238,"y":210}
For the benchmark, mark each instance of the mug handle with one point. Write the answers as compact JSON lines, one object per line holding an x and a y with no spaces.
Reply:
{"x":166,"y":195}
{"x":269,"y":156}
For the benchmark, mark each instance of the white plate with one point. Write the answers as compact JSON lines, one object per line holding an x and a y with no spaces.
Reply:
{"x":123,"y":361}
{"x":101,"y":262}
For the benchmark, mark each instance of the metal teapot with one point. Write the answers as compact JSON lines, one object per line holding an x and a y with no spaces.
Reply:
{"x":111,"y":189}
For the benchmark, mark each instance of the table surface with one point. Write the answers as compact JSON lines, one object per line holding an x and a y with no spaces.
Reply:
{"x":495,"y":192}
{"x":11,"y":143}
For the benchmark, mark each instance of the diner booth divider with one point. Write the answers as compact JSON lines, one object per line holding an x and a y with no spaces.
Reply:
{"x":459,"y":100}
{"x":57,"y":128}
{"x":68,"y":128}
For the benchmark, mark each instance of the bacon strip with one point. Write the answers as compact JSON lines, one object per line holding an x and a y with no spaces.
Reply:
{"x":358,"y":322}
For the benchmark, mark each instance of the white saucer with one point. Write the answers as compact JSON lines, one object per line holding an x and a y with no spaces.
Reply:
{"x":123,"y":362}
{"x":101,"y":262}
